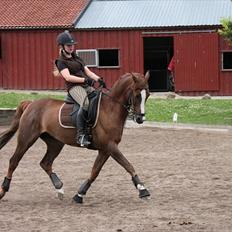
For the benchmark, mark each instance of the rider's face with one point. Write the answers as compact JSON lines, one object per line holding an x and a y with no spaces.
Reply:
{"x":69,"y":48}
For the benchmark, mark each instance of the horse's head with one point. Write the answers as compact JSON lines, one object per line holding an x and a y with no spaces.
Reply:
{"x":139,"y":96}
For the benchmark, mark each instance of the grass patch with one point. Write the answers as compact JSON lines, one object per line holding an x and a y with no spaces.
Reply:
{"x":195,"y":111}
{"x":11,"y":100}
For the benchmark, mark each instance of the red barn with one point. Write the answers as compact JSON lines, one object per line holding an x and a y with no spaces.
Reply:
{"x":115,"y":37}
{"x":28,"y":31}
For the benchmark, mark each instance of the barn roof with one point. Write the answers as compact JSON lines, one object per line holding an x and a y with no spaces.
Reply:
{"x":15,"y":14}
{"x":153,"y":13}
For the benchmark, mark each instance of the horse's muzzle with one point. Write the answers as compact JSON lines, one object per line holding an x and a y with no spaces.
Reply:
{"x":139,"y":118}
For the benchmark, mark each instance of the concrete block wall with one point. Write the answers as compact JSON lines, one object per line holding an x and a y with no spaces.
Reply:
{"x":6,"y":116}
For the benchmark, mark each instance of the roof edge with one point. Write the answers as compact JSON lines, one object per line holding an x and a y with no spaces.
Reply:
{"x":75,"y":21}
{"x":35,"y":27}
{"x":163,"y":28}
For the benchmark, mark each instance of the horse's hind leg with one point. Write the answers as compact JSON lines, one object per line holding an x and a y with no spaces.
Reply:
{"x":98,"y":164}
{"x":121,"y":159}
{"x":25,"y":140}
{"x":54,"y":147}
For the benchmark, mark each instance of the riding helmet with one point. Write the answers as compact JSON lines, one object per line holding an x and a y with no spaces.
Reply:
{"x":65,"y":38}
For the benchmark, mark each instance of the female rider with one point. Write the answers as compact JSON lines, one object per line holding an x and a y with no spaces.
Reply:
{"x":78,"y":79}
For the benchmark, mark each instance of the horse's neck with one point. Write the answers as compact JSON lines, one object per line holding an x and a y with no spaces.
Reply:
{"x":119,"y":95}
{"x":121,"y":90}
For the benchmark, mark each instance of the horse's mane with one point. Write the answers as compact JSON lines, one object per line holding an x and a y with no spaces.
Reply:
{"x":124,"y":81}
{"x":128,"y":77}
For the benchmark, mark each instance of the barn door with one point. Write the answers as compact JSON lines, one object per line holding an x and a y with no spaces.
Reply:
{"x":196,"y":57}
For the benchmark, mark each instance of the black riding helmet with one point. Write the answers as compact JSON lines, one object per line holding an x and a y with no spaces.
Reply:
{"x":65,"y":38}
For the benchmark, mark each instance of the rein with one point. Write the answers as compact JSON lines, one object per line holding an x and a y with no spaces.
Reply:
{"x":127,"y":107}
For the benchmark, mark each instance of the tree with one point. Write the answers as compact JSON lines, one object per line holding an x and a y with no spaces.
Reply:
{"x":226,"y":30}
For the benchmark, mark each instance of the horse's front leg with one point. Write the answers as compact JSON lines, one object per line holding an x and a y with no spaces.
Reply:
{"x":121,"y":159}
{"x":98,"y":164}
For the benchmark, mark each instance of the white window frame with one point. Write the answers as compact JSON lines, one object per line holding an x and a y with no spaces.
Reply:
{"x":89,"y":50}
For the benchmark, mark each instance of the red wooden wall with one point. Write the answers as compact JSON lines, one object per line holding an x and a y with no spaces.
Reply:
{"x":225,"y":76}
{"x":129,"y":43}
{"x":27,"y":60}
{"x":28,"y":56}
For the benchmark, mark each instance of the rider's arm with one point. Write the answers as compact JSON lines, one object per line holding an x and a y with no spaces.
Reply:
{"x":91,"y":74}
{"x":71,"y":78}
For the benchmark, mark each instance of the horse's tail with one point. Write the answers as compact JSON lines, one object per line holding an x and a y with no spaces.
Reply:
{"x":5,"y":136}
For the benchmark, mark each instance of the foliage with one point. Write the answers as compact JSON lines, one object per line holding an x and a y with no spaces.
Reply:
{"x":226,"y":31}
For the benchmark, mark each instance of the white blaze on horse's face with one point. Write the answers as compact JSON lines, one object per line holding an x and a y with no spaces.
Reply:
{"x":142,"y":105}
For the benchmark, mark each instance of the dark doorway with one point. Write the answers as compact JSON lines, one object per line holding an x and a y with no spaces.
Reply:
{"x":158,"y":51}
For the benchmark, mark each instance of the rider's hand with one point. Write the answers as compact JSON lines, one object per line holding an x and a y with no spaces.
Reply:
{"x":102,"y":83}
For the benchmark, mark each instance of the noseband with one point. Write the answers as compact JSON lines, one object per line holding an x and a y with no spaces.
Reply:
{"x":130,"y":108}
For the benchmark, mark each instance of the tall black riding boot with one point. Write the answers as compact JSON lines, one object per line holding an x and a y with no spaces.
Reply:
{"x":82,"y":137}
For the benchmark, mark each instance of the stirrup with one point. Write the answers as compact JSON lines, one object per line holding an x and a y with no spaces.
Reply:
{"x":83,"y":140}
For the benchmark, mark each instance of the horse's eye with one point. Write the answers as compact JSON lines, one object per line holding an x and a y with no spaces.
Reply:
{"x":138,"y":97}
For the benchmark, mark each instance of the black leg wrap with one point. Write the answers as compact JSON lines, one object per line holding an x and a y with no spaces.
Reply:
{"x":136,"y":180}
{"x":6,"y":184}
{"x":56,"y":181}
{"x":84,"y":187}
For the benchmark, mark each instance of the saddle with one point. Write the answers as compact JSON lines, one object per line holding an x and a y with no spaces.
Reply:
{"x":68,"y":111}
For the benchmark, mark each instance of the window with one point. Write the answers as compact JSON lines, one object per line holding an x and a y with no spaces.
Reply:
{"x":108,"y":58}
{"x":104,"y":58}
{"x":227,"y":60}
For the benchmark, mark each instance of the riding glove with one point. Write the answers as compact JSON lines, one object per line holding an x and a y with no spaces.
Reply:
{"x":102,"y":83}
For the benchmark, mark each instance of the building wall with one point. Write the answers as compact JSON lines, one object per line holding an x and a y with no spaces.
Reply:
{"x":198,"y":58}
{"x":129,"y":43}
{"x":27,"y":60}
{"x":225,"y":76}
{"x":28,"y":56}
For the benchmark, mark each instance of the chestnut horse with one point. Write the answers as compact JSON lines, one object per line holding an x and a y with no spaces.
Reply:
{"x":40,"y":119}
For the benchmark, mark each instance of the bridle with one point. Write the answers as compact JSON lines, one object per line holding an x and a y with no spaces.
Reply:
{"x":132,"y":112}
{"x":129,"y":107}
{"x":126,"y":106}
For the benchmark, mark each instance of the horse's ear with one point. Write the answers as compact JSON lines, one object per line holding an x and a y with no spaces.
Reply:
{"x":147,"y":75}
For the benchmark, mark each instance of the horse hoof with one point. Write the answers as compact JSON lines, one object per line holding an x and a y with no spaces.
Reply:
{"x":78,"y":199}
{"x":2,"y":194}
{"x":60,"y":194}
{"x":144,"y":193}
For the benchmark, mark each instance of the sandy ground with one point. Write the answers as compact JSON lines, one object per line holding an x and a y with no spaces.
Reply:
{"x":188,"y":173}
